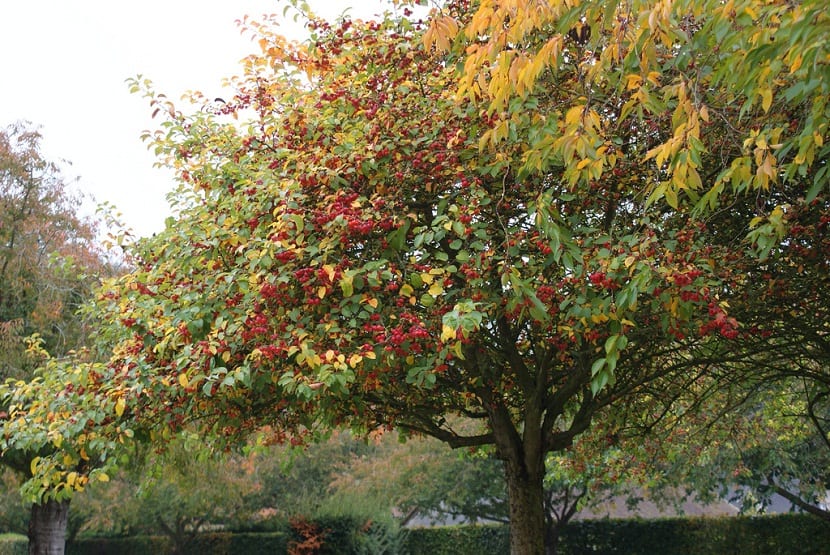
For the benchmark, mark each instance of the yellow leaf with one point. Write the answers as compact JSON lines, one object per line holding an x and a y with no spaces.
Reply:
{"x":766,"y":99}
{"x":370,"y":355}
{"x":321,"y":291}
{"x":70,"y":479}
{"x":329,"y":269}
{"x":582,"y":163}
{"x":436,"y":289}
{"x":355,"y":359}
{"x":103,"y":477}
{"x":406,"y":290}
{"x":182,"y":380}
{"x":372,"y":302}
{"x":120,"y":405}
{"x":633,"y":81}
{"x":447,"y":333}
{"x":796,"y":64}
{"x":574,"y":114}
{"x":629,"y":261}
{"x":33,"y":465}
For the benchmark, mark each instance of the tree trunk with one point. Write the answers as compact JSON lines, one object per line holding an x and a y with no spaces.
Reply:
{"x":47,"y":528}
{"x":552,"y":539}
{"x":527,"y":514}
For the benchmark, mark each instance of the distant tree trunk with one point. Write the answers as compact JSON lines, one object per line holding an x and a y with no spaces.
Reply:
{"x":552,"y":539}
{"x":558,"y":513}
{"x":47,"y":528}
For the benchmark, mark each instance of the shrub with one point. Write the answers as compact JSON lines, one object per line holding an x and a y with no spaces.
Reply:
{"x":459,"y":540}
{"x":788,"y":534}
{"x":13,"y":544}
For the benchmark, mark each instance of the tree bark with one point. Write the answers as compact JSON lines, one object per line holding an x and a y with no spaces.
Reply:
{"x":527,"y":515}
{"x":47,"y":528}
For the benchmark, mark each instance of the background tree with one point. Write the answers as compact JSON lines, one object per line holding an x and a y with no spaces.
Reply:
{"x":356,"y":251}
{"x":67,"y":430}
{"x":50,"y":262}
{"x":49,"y":259}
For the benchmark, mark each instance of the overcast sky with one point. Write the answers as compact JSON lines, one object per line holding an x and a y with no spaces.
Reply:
{"x":63,"y":66}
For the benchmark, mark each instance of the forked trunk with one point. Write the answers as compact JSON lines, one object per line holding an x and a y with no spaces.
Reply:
{"x":527,"y":514}
{"x":47,"y":528}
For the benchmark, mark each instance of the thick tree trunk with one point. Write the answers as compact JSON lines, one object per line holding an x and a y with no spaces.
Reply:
{"x":47,"y":528}
{"x":527,"y":514}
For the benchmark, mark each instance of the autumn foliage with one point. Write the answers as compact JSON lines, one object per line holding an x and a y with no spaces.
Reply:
{"x":499,"y":213}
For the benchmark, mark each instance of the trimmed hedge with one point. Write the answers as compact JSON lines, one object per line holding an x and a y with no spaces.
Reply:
{"x":212,"y":543}
{"x":459,"y":540}
{"x":786,"y":534}
{"x":789,"y":534}
{"x":14,"y":544}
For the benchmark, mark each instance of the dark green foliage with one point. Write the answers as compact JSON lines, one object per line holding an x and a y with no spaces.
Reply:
{"x":216,"y":543}
{"x":459,"y":540}
{"x":790,"y":534}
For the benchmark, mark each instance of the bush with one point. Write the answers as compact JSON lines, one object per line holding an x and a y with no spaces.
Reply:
{"x":788,"y":534}
{"x":459,"y":540}
{"x":791,"y":534}
{"x":213,"y":543}
{"x":14,"y":544}
{"x":347,"y":535}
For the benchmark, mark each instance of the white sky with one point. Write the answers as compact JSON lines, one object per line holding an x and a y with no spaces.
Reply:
{"x":63,"y":66}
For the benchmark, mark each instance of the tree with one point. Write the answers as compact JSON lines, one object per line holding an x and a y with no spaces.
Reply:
{"x":50,"y":262}
{"x":67,"y":431}
{"x":187,"y":489}
{"x":421,"y":478}
{"x":374,"y":244}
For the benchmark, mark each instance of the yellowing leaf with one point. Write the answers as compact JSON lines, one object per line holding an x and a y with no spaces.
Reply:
{"x":574,"y":114}
{"x":182,"y":380}
{"x":321,"y":291}
{"x":436,"y":289}
{"x":329,"y":269}
{"x":766,"y":99}
{"x":103,"y":477}
{"x":633,"y":81}
{"x":120,"y":405}
{"x":355,"y":359}
{"x":447,"y":333}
